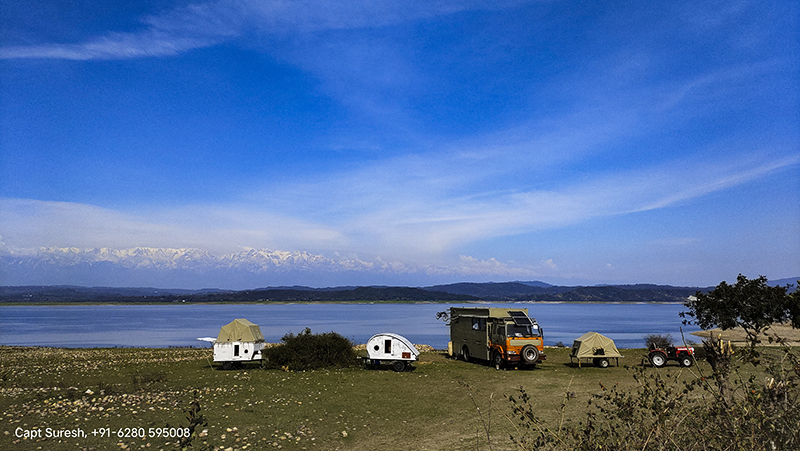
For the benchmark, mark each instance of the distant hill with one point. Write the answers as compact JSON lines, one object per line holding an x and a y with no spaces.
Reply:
{"x":783,"y":282}
{"x":458,"y":292}
{"x":70,"y":294}
{"x":518,"y":292}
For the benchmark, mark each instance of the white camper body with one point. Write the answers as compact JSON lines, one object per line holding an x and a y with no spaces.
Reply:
{"x":237,"y":351}
{"x":389,"y":347}
{"x":238,"y":341}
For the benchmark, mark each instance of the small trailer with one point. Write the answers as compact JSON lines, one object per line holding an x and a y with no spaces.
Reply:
{"x":596,"y":347}
{"x":238,"y":341}
{"x":388,"y":347}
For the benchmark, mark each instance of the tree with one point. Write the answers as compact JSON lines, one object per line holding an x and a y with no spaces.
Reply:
{"x":794,"y":306}
{"x":750,"y":304}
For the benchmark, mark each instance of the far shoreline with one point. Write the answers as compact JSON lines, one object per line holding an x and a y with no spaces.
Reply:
{"x":398,"y":301}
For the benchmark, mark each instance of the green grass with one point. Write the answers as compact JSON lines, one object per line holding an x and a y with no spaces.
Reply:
{"x":432,"y":407}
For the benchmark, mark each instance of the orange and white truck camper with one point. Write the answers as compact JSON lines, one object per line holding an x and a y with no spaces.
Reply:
{"x":502,"y":336}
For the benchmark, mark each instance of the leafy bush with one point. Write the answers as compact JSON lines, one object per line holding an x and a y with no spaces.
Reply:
{"x":307,"y":351}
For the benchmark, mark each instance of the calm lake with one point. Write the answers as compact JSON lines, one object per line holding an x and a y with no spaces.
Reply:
{"x":181,"y":325}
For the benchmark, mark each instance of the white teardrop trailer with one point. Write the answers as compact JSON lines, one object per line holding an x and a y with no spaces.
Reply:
{"x":391,"y":348}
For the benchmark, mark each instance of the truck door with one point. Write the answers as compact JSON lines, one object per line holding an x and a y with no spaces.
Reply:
{"x":499,"y":334}
{"x":481,"y":335}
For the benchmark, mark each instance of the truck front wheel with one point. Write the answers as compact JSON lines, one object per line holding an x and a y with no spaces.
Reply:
{"x":530,"y":354}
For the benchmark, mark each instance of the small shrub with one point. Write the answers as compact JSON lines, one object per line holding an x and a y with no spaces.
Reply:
{"x":660,"y":341}
{"x":307,"y":351}
{"x":144,"y":379}
{"x":5,"y":377}
{"x":195,"y":419}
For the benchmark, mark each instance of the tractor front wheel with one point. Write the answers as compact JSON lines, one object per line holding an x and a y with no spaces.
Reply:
{"x":686,"y":361}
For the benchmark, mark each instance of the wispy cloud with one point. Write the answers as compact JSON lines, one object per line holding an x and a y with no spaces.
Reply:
{"x":112,"y":46}
{"x":183,"y":29}
{"x":206,"y":24}
{"x":381,"y":218}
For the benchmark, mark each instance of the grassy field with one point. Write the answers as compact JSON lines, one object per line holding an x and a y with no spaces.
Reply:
{"x":443,"y":404}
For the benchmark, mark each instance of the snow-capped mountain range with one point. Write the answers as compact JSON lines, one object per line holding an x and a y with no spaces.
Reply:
{"x":179,"y":267}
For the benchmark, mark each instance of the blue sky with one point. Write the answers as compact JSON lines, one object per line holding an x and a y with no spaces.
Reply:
{"x":570,"y":142}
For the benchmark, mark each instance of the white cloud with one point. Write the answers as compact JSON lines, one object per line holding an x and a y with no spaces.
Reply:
{"x":30,"y":224}
{"x":206,"y":24}
{"x":112,"y":46}
{"x":416,"y":208}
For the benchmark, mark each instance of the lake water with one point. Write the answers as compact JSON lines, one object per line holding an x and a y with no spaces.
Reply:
{"x":181,"y":325}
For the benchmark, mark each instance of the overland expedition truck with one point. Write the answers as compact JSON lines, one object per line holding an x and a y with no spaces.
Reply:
{"x":500,"y":335}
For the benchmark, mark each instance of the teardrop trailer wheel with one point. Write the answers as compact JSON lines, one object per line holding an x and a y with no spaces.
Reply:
{"x":530,"y":354}
{"x":658,"y":359}
{"x":399,"y":366}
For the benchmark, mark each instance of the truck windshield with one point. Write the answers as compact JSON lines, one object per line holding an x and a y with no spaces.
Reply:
{"x":515,"y":331}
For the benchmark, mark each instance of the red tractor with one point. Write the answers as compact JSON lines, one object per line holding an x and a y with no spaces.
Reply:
{"x":683,"y":354}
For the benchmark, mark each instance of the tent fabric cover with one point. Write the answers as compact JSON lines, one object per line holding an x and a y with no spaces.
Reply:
{"x":240,"y":330}
{"x":586,"y":345}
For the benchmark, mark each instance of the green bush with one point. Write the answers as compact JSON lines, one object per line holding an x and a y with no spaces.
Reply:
{"x":307,"y":351}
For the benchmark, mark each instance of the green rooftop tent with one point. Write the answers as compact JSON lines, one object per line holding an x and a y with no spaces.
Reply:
{"x":595,"y":346}
{"x":240,"y":330}
{"x":238,"y":341}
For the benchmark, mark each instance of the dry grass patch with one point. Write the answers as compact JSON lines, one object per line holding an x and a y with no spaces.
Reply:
{"x":433,"y":407}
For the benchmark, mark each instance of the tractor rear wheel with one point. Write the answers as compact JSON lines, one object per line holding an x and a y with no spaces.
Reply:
{"x":658,"y":359}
